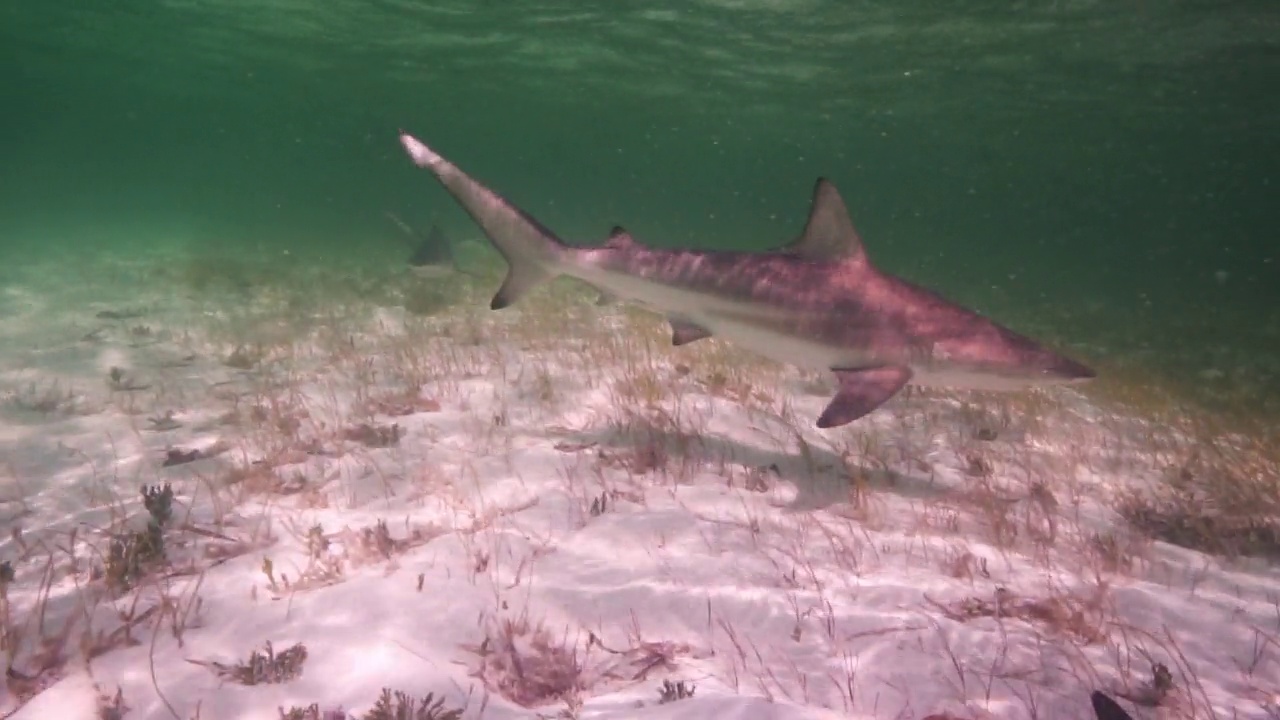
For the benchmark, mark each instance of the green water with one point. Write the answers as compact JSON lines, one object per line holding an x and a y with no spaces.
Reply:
{"x":1103,"y":173}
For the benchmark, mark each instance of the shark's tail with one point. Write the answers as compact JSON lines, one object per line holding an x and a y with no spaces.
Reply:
{"x":533,"y":253}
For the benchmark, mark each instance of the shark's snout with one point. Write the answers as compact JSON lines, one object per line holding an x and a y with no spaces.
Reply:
{"x":1021,"y":356}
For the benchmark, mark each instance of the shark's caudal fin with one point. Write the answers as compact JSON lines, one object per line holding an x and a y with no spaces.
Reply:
{"x":532,"y":251}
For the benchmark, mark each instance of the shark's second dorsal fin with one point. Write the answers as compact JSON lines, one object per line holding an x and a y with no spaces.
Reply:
{"x":829,"y":235}
{"x":619,"y":238}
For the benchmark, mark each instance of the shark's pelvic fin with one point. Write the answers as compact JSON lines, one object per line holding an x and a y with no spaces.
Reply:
{"x":862,"y":391}
{"x":829,"y":235}
{"x":684,"y":332}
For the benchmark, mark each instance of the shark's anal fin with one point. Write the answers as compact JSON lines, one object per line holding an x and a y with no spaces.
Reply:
{"x":861,"y":391}
{"x":684,"y":332}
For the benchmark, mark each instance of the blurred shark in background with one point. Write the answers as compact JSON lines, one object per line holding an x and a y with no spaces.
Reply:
{"x":432,"y":254}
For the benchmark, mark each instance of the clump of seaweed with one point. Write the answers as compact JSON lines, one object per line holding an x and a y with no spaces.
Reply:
{"x":264,"y":667}
{"x":1189,"y":517}
{"x":1220,"y":494}
{"x":178,"y":456}
{"x":671,"y":692}
{"x":407,"y":401}
{"x":528,"y":665}
{"x":112,"y":707}
{"x":403,"y":706}
{"x":163,"y":423}
{"x":391,"y":705}
{"x":311,"y":712}
{"x":121,"y":380}
{"x":126,"y":314}
{"x":374,"y":436}
{"x":130,"y":554}
{"x":51,"y":399}
{"x":1076,"y":617}
{"x":243,"y":358}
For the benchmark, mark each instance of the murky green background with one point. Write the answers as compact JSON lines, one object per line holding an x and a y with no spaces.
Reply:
{"x":1101,"y":173}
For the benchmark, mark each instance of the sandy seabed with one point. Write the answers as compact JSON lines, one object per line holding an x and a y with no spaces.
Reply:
{"x":550,"y":512}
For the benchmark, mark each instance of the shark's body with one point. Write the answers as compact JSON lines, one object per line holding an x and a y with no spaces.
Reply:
{"x":817,"y":303}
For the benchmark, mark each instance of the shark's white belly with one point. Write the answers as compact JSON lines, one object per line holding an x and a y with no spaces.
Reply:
{"x":793,"y":350}
{"x":718,"y":315}
{"x":783,"y":348}
{"x":722,"y":318}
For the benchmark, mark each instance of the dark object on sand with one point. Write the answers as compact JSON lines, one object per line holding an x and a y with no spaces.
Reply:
{"x":178,"y":456}
{"x":1106,"y":708}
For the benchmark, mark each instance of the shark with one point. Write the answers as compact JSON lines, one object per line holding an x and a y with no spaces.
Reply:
{"x":816,"y":302}
{"x":432,"y":254}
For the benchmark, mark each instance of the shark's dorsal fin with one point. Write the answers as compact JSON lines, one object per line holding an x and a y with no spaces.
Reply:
{"x":829,"y":235}
{"x":619,"y":238}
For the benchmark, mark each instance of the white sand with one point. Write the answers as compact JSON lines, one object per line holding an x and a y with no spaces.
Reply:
{"x":733,"y":553}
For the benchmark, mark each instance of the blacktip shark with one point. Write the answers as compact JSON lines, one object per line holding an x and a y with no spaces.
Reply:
{"x":432,"y":254}
{"x":817,"y":302}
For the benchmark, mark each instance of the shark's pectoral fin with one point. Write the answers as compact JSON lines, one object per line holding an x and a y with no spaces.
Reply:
{"x":861,"y":391}
{"x":684,"y":332}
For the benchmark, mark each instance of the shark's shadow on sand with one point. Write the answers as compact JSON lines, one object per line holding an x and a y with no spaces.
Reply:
{"x":822,"y":478}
